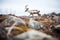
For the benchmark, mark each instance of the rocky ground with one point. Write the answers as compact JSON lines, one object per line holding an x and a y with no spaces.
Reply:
{"x":24,"y":28}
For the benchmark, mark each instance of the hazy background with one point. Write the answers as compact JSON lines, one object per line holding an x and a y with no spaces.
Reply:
{"x":17,"y":6}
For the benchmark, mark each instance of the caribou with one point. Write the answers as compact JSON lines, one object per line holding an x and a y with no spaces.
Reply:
{"x":31,"y":11}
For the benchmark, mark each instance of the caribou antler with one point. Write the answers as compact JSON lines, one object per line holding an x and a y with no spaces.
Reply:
{"x":26,"y":8}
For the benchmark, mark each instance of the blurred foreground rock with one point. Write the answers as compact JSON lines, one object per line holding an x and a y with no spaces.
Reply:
{"x":22,"y":28}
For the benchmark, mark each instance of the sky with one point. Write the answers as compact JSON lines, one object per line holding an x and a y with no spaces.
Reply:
{"x":17,"y":7}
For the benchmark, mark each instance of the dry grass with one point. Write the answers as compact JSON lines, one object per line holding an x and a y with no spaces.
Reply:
{"x":20,"y":29}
